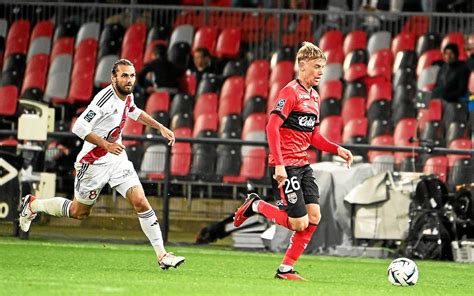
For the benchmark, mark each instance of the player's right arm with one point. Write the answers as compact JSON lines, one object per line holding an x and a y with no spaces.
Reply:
{"x":286,"y":102}
{"x":83,"y":129}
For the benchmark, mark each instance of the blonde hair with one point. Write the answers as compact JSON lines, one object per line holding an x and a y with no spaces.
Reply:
{"x":309,"y":51}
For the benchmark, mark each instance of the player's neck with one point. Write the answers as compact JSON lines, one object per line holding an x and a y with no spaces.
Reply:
{"x":307,"y":87}
{"x":119,"y":95}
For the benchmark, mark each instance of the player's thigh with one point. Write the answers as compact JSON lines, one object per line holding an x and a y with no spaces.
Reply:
{"x":290,"y":197}
{"x":89,"y":181}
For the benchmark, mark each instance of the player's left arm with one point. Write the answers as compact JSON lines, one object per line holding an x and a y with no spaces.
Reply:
{"x":322,"y":143}
{"x":146,"y":119}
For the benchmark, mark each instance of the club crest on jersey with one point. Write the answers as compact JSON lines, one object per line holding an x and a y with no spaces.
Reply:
{"x":306,"y":121}
{"x":292,"y":197}
{"x":280,"y":104}
{"x":89,"y":116}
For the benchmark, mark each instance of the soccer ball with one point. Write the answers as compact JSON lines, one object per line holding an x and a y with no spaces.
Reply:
{"x":402,"y":272}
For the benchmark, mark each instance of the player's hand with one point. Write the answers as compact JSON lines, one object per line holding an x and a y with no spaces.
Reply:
{"x":346,"y":155}
{"x":280,"y":175}
{"x":167,"y":133}
{"x":115,"y":148}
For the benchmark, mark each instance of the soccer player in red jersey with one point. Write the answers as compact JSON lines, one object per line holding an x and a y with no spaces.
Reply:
{"x":292,"y":127}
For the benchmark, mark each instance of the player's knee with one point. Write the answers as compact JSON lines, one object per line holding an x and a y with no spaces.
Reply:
{"x":300,"y":224}
{"x":141,"y":205}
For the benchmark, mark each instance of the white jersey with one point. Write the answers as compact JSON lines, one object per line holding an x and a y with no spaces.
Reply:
{"x":105,"y":116}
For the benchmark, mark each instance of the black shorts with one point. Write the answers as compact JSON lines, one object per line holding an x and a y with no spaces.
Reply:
{"x":299,"y":190}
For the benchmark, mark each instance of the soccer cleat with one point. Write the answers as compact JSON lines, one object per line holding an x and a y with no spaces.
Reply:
{"x":26,"y":214}
{"x":291,"y":275}
{"x":245,"y":209}
{"x":170,"y":260}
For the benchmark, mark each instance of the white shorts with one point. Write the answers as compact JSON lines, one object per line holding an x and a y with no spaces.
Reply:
{"x":91,"y":178}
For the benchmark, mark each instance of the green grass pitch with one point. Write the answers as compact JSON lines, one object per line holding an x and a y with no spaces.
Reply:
{"x":39,"y":267}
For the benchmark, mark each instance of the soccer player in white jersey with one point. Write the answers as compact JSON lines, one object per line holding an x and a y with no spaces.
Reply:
{"x":103,"y":160}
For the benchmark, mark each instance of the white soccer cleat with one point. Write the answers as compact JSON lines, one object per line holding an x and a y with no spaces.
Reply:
{"x":26,"y":214}
{"x":170,"y":260}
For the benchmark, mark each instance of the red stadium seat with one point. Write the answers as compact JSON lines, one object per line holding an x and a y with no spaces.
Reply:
{"x":403,"y":41}
{"x":256,"y":122}
{"x":253,"y":166}
{"x":133,"y":44}
{"x":259,"y":69}
{"x":282,"y":73}
{"x":331,"y":89}
{"x":273,"y":96}
{"x":382,"y":57}
{"x":228,"y":43}
{"x":86,"y":49}
{"x":34,"y":79}
{"x":232,"y":92}
{"x":377,"y":91}
{"x":64,"y":45}
{"x":132,"y":128}
{"x":438,"y":166}
{"x":384,"y":140}
{"x":355,"y":128}
{"x":158,"y":101}
{"x":206,"y":37}
{"x":187,"y":84}
{"x":9,"y":100}
{"x":18,"y":37}
{"x":331,"y":40}
{"x":81,"y":88}
{"x":464,"y":144}
{"x":256,"y":88}
{"x":331,"y":128}
{"x":353,"y":108}
{"x":355,"y":40}
{"x":42,"y":29}
{"x":405,"y":132}
{"x":334,"y":56}
{"x":427,"y":59}
{"x":355,"y":72}
{"x":205,"y":122}
{"x":458,"y":39}
{"x":181,"y":153}
{"x":38,"y":63}
{"x":205,"y":104}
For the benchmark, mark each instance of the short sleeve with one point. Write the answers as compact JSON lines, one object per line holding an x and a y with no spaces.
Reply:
{"x":285,"y":102}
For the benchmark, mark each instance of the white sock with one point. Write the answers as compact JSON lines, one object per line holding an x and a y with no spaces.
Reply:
{"x":285,"y":268}
{"x":255,"y":206}
{"x":151,"y":228}
{"x":56,"y":206}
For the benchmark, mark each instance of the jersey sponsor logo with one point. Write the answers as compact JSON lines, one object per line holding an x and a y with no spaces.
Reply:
{"x":281,"y":103}
{"x":89,"y":116}
{"x":306,"y":121}
{"x":292,"y":197}
{"x":304,"y":96}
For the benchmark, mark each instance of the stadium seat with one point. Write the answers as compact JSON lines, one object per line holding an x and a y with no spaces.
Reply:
{"x":205,"y":104}
{"x":41,"y":45}
{"x":382,"y":140}
{"x":3,"y":27}
{"x":454,"y":112}
{"x":462,"y":144}
{"x":205,"y":122}
{"x":330,"y":107}
{"x":34,"y":79}
{"x":355,"y":131}
{"x":461,"y":173}
{"x":433,"y":134}
{"x":427,"y":78}
{"x":355,"y":40}
{"x":358,"y":56}
{"x":179,"y":55}
{"x":148,"y":55}
{"x":379,"y":127}
{"x":66,"y":29}
{"x":111,"y":39}
{"x":86,"y":49}
{"x":405,"y":59}
{"x":331,"y":72}
{"x":331,"y":40}
{"x":457,"y":130}
{"x":81,"y":88}
{"x":181,"y":103}
{"x":18,"y":38}
{"x":187,"y":84}
{"x":355,"y":89}
{"x":231,"y":96}
{"x":228,"y":43}
{"x":379,"y":40}
{"x":61,"y":64}
{"x":403,"y":94}
{"x":62,"y":46}
{"x":252,"y":105}
{"x":88,"y":30}
{"x":427,"y":59}
{"x":132,"y":128}
{"x":133,"y":44}
{"x":458,"y":39}
{"x":228,"y":161}
{"x":427,"y":42}
{"x":234,"y":68}
{"x":42,"y":29}
{"x":159,"y":32}
{"x":331,"y":128}
{"x":9,"y":101}
{"x":383,"y":57}
{"x":404,"y":41}
{"x":377,"y":91}
{"x":334,"y":56}
{"x":181,"y":153}
{"x":283,"y":73}
{"x":405,"y":135}
{"x":157,"y":102}
{"x":38,"y":63}
{"x":57,"y":87}
{"x":206,"y":37}
{"x":256,"y":122}
{"x":379,"y":109}
{"x":204,"y":162}
{"x":285,"y":53}
{"x":258,"y":69}
{"x":230,"y":126}
{"x":209,"y":83}
{"x":102,"y":74}
{"x":180,"y":120}
{"x":355,"y":72}
{"x":273,"y":96}
{"x":153,"y":163}
{"x":12,"y":78}
{"x":331,"y":89}
{"x":258,"y":87}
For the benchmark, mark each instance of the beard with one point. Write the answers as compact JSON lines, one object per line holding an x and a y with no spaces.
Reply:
{"x":123,"y":91}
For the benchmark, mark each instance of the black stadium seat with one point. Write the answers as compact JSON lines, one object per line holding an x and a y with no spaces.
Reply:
{"x":208,"y":83}
{"x":181,"y":103}
{"x":254,"y":105}
{"x":179,"y":55}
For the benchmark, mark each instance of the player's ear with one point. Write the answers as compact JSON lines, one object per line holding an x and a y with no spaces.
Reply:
{"x":301,"y":66}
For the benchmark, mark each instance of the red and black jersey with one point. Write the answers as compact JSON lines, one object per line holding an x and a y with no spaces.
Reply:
{"x":299,"y":109}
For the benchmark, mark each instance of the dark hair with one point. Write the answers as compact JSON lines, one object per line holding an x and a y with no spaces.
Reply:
{"x":453,"y":47}
{"x":159,"y":50}
{"x":204,"y":51}
{"x":120,"y":62}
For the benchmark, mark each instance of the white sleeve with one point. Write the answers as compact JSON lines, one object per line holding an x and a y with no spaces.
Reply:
{"x":134,"y":112}
{"x":84,"y":123}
